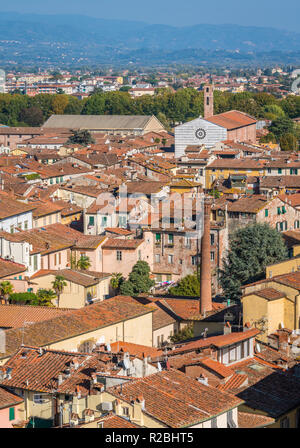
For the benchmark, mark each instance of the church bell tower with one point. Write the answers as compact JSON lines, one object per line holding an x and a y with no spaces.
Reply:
{"x":208,"y":100}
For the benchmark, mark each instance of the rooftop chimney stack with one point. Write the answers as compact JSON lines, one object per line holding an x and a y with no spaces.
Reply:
{"x":205,"y":267}
{"x":208,"y":101}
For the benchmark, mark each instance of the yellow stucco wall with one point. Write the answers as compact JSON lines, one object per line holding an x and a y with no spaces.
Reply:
{"x":285,"y":267}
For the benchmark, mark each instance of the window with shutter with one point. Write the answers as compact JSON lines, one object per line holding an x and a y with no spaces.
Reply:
{"x":11,"y":414}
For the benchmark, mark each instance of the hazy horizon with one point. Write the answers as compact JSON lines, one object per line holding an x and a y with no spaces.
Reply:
{"x":269,"y":13}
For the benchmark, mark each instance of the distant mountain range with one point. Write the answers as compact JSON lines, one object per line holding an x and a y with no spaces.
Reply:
{"x":78,"y":40}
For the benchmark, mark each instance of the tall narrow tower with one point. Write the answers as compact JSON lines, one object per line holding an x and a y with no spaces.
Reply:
{"x":208,"y":100}
{"x":205,"y":266}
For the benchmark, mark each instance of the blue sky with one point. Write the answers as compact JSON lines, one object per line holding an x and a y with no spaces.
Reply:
{"x":282,"y":14}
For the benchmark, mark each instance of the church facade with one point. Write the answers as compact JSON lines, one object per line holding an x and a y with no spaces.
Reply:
{"x":198,"y":132}
{"x":208,"y":131}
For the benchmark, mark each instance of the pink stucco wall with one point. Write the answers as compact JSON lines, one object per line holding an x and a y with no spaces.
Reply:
{"x":4,"y":417}
{"x":129,"y":257}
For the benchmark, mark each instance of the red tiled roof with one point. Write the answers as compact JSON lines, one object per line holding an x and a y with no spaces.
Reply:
{"x":83,"y":278}
{"x":235,"y":382}
{"x":118,"y":231}
{"x":218,"y":341}
{"x":10,"y":268}
{"x":188,"y":309}
{"x":247,"y":420}
{"x":14,"y":316}
{"x":115,"y":421}
{"x":8,"y":399}
{"x":217,"y":367}
{"x":36,"y":371}
{"x":141,"y":351}
{"x":268,"y":293}
{"x":175,"y":399}
{"x":75,"y":322}
{"x":232,"y":119}
{"x":117,"y":243}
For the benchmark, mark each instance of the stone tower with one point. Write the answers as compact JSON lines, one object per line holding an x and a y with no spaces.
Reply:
{"x":208,"y":100}
{"x":205,"y":266}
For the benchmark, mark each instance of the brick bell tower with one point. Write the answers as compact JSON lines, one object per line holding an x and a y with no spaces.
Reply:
{"x":205,"y":266}
{"x":208,"y":100}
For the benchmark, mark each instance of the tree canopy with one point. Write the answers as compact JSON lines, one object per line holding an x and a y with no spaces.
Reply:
{"x":139,"y":280}
{"x":188,"y":286}
{"x":82,"y":137}
{"x":251,"y":249}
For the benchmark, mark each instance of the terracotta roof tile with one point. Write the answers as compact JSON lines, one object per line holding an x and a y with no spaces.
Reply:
{"x":75,"y":322}
{"x":8,"y":268}
{"x":8,"y":399}
{"x":217,"y":341}
{"x":232,"y":119}
{"x":247,"y":420}
{"x":117,"y":243}
{"x":14,"y":316}
{"x":190,"y":401}
{"x":141,"y":351}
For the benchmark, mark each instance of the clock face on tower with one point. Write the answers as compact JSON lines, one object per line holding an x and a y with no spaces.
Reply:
{"x":200,"y":134}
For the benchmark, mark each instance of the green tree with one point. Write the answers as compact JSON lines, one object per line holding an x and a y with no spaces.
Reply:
{"x":45,"y":297}
{"x":83,"y":263}
{"x":125,"y":88}
{"x":281,"y":126}
{"x":251,"y":249}
{"x":95,"y":105}
{"x":23,"y":298}
{"x":58,"y":285}
{"x":188,"y":286}
{"x":32,"y":116}
{"x":82,"y":137}
{"x":269,"y":138}
{"x":116,"y":281}
{"x":139,"y":280}
{"x":184,"y":334}
{"x":273,"y":111}
{"x":288,"y":142}
{"x":6,"y":289}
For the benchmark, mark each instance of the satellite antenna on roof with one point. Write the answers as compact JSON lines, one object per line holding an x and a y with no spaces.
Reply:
{"x":25,"y":324}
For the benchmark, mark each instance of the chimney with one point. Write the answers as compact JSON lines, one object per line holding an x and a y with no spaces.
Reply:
{"x":205,"y":267}
{"x":227,"y":328}
{"x":208,"y":101}
{"x":247,"y":326}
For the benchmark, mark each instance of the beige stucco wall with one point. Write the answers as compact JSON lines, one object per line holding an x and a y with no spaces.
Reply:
{"x":164,"y":332}
{"x":137,"y":331}
{"x":74,"y":295}
{"x":285,"y":267}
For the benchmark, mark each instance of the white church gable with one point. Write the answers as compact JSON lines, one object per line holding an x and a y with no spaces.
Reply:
{"x":198,"y":132}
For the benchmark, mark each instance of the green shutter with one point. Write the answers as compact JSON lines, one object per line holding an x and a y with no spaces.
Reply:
{"x":266,"y":212}
{"x":11,"y":414}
